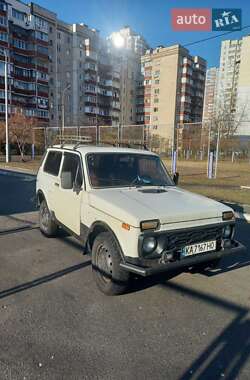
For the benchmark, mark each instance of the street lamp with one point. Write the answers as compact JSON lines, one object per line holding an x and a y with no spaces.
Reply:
{"x":6,"y":104}
{"x":63,"y":99}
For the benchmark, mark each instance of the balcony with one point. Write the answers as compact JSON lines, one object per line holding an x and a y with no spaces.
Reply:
{"x":116,"y":75}
{"x":90,"y":66}
{"x":91,"y":55}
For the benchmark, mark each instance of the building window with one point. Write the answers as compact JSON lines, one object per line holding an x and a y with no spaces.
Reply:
{"x":20,"y":44}
{"x":59,"y":35}
{"x":18,"y":15}
{"x":3,"y":6}
{"x":41,"y":36}
{"x":3,"y":20}
{"x":3,"y":36}
{"x":155,"y":109}
{"x":50,"y":29}
{"x":157,"y":81}
{"x":156,"y":100}
{"x":157,"y":90}
{"x":41,"y":23}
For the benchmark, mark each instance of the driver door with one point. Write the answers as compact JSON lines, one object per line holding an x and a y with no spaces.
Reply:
{"x":68,"y":200}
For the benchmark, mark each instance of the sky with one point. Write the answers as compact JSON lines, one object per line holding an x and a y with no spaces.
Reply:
{"x":150,"y":18}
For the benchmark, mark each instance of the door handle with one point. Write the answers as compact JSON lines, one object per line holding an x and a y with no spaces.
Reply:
{"x":56,"y":184}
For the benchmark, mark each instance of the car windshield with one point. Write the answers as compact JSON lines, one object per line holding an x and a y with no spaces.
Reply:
{"x":126,"y":169}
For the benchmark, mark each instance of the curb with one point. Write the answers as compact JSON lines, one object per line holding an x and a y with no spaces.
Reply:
{"x":18,"y":172}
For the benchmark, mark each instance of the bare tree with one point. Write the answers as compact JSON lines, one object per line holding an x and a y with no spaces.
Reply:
{"x":20,"y":131}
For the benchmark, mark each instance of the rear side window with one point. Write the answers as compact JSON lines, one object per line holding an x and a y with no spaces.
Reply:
{"x":52,"y":163}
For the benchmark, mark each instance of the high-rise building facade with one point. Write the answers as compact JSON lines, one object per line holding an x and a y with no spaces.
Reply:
{"x":228,"y":76}
{"x":128,"y":46}
{"x":171,"y":89}
{"x":58,"y":73}
{"x":233,"y":86}
{"x":210,"y":94}
{"x":24,"y":43}
{"x":84,"y":77}
{"x":243,"y":90}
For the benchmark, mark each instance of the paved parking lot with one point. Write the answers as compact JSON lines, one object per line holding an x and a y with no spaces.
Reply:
{"x":55,"y":324}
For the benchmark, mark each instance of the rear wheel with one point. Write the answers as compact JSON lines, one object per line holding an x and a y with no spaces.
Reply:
{"x":47,"y":226}
{"x":106,"y":258}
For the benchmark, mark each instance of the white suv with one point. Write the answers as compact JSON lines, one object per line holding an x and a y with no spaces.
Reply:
{"x":129,"y":214}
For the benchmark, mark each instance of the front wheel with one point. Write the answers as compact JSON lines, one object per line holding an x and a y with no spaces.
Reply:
{"x":106,"y":258}
{"x":47,"y":226}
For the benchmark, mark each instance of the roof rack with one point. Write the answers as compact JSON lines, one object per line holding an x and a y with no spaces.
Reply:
{"x":79,"y":140}
{"x":131,"y":144}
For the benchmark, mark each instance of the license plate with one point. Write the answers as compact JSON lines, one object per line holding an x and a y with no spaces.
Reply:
{"x":197,"y":248}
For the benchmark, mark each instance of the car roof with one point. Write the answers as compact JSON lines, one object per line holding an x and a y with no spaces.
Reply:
{"x":84,"y":149}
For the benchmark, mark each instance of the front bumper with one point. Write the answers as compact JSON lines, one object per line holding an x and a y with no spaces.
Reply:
{"x":144,"y":268}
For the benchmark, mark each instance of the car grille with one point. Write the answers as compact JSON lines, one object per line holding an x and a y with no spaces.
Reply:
{"x":187,"y":237}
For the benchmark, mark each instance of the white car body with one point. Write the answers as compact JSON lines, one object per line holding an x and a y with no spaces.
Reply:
{"x":123,"y":209}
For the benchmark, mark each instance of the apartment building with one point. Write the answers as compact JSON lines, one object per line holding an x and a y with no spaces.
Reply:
{"x":56,"y":69}
{"x":84,"y":77}
{"x":171,"y":89}
{"x":24,"y":41}
{"x":243,"y":90}
{"x":210,"y":94}
{"x":128,"y":46}
{"x":228,"y":76}
{"x":233,"y":85}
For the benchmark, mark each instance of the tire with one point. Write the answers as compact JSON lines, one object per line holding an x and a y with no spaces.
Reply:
{"x":47,"y":226}
{"x":106,"y":258}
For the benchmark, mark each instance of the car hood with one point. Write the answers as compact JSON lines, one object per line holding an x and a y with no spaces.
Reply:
{"x":169,"y":205}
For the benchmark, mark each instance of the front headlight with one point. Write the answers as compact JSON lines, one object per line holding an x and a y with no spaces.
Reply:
{"x":149,"y":244}
{"x":227,"y":232}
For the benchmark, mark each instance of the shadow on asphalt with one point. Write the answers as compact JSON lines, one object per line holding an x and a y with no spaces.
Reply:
{"x":17,"y":193}
{"x":42,"y":280}
{"x":226,"y":355}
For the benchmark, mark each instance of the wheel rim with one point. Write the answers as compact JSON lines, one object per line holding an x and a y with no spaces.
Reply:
{"x":104,"y":263}
{"x":44,"y":213}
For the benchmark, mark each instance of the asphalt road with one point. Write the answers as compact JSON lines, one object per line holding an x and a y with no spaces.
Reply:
{"x":55,"y":324}
{"x":17,"y":193}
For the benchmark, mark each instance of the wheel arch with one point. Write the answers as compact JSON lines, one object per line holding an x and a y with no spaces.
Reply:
{"x":40,"y":197}
{"x":98,"y":227}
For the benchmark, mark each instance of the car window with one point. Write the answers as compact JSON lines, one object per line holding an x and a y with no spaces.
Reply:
{"x":52,"y":163}
{"x":122,"y":169}
{"x":72,"y":163}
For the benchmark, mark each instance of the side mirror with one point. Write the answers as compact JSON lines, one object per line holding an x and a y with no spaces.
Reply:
{"x":176,"y":178}
{"x":66,"y":180}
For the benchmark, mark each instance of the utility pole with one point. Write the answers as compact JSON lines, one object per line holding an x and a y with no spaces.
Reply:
{"x":63,"y":108}
{"x":6,"y":106}
{"x":208,"y":145}
{"x":217,"y":150}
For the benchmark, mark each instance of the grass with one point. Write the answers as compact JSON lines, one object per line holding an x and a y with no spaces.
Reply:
{"x":31,"y":165}
{"x":227,"y":185}
{"x":193,"y":177}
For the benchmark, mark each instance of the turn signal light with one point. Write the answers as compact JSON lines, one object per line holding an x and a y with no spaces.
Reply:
{"x":126,"y":226}
{"x":150,"y":225}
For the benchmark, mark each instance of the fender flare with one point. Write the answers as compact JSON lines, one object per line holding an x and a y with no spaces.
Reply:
{"x":100,"y":226}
